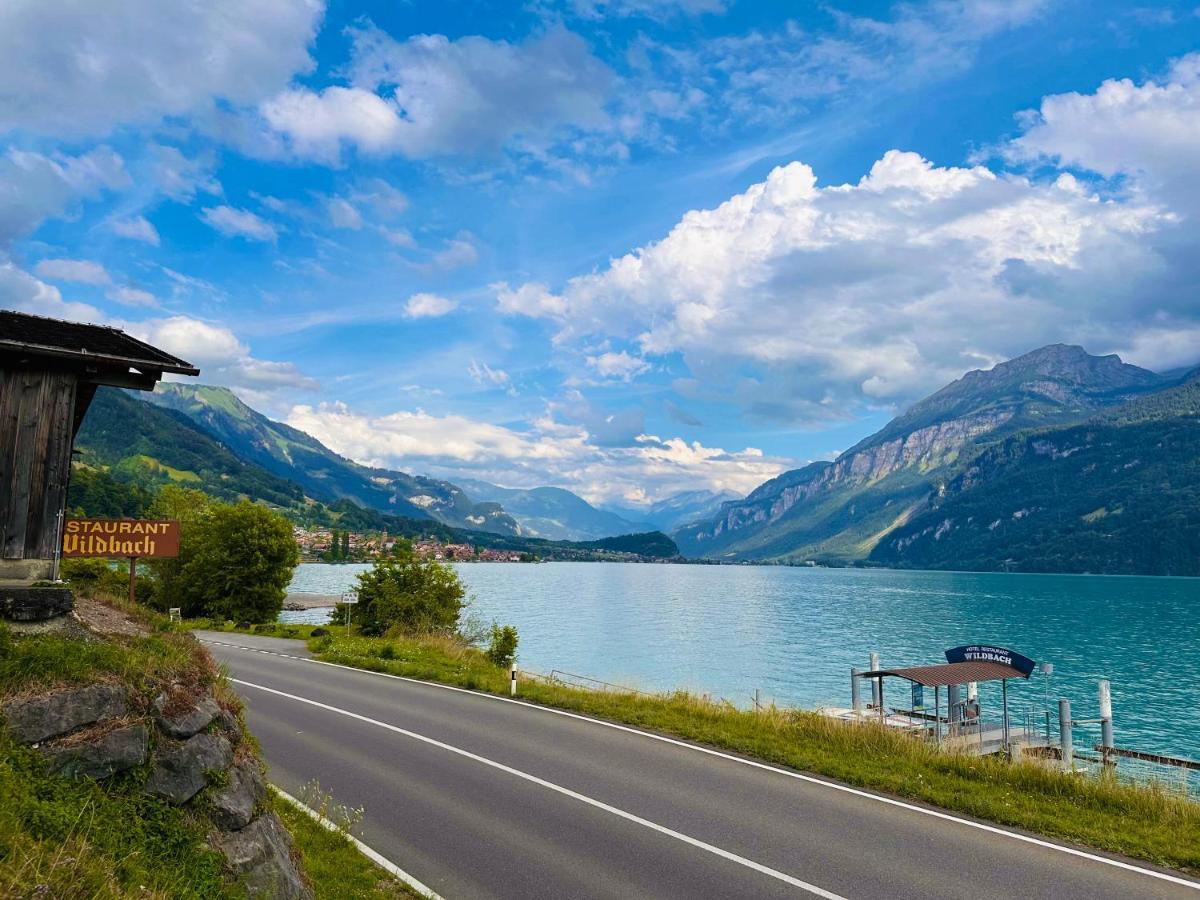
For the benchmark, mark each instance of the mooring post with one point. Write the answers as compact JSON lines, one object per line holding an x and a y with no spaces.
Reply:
{"x":757,"y":704}
{"x":1106,"y":724}
{"x":1064,"y":735}
{"x":877,"y":684}
{"x":855,"y":691}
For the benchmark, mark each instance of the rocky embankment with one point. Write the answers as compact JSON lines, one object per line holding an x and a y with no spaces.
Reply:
{"x":183,"y":744}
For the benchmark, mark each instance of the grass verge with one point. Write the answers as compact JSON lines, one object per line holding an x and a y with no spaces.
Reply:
{"x":1144,"y":821}
{"x":335,"y":867}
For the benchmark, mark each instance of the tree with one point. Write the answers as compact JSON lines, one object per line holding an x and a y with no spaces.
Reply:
{"x":190,"y":508}
{"x":335,"y":545}
{"x":345,"y":545}
{"x":235,"y":563}
{"x":406,"y":592}
{"x":502,"y":648}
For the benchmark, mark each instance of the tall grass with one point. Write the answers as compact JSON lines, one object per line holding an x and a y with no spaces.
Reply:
{"x":1139,"y":820}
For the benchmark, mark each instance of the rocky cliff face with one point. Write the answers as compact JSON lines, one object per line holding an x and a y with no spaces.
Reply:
{"x":915,"y":453}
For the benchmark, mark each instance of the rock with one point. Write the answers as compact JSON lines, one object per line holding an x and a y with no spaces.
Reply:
{"x":39,"y":718}
{"x":192,"y":719}
{"x":182,"y":770}
{"x":20,"y":603}
{"x":233,"y":806}
{"x":227,"y":724}
{"x":319,"y":632}
{"x":261,"y":855}
{"x":112,"y":752}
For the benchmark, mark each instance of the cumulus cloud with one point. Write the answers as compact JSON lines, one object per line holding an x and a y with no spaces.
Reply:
{"x":428,"y":306}
{"x":73,"y":69}
{"x":548,"y":452}
{"x":83,"y":271}
{"x":233,"y":222}
{"x":21,"y":291}
{"x":131,"y":296}
{"x":430,"y":96}
{"x":136,"y":228}
{"x":35,"y":187}
{"x":619,"y":364}
{"x":876,"y":290}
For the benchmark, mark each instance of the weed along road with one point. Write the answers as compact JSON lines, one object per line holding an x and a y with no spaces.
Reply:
{"x":477,"y":796}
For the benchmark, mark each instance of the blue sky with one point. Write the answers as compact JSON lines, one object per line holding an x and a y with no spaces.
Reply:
{"x":627,"y":247}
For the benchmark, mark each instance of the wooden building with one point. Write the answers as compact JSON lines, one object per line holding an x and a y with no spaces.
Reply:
{"x":49,"y":372}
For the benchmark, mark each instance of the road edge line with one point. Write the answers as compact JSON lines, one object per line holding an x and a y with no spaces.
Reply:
{"x":374,"y":855}
{"x":768,"y":767}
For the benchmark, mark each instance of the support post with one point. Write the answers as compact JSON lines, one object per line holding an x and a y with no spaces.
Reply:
{"x":757,"y":704}
{"x":937,"y":714}
{"x":877,"y":685}
{"x":133,"y":579}
{"x":512,"y":690}
{"x":1106,"y":724}
{"x":1004,"y":692}
{"x":954,"y":707}
{"x":882,"y":717}
{"x":1065,"y":738}
{"x":855,"y":691}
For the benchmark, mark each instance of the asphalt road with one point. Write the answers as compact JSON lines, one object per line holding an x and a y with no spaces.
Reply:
{"x":479,"y":797}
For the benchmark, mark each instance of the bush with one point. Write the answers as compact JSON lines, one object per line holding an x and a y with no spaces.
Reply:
{"x":408,"y":594}
{"x":95,"y":576}
{"x":502,"y":648}
{"x":234,"y":563}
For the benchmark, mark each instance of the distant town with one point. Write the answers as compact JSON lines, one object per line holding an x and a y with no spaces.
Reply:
{"x":332,"y":545}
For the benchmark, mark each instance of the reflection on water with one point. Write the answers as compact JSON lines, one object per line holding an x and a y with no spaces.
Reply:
{"x":794,"y":633}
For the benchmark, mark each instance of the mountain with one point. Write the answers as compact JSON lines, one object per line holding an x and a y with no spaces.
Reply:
{"x":676,"y":510}
{"x":128,"y":440}
{"x":323,"y":474}
{"x":839,"y":511}
{"x":551,"y":512}
{"x":1119,"y":493}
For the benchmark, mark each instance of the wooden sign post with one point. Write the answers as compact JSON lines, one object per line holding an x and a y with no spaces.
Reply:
{"x":131,"y":538}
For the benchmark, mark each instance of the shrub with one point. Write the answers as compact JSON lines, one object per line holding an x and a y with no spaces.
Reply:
{"x":234,"y":563}
{"x":409,"y":594}
{"x":95,"y":576}
{"x":502,"y":648}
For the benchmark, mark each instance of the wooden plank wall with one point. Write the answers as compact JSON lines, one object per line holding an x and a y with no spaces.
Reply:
{"x":36,"y":417}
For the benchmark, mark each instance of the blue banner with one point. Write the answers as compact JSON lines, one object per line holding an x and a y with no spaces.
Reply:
{"x":988,"y":653}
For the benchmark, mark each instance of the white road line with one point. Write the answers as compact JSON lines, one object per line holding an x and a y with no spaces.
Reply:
{"x":375,"y":856}
{"x":557,"y":788}
{"x":799,"y":776}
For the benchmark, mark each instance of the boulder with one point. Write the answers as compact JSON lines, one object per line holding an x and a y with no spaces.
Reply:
{"x":227,"y":724}
{"x":193,"y":718}
{"x":40,"y":718}
{"x":233,"y":806}
{"x":111,"y":752}
{"x":181,"y":770}
{"x":261,"y":856}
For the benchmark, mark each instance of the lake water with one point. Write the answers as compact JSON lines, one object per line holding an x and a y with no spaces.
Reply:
{"x":794,"y":633}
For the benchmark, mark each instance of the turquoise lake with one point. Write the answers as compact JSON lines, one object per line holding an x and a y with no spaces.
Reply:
{"x":794,"y":633}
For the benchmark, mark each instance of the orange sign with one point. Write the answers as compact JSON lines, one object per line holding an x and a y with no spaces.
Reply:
{"x":120,"y":537}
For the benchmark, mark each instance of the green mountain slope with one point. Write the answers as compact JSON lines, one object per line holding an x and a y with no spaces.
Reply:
{"x":324,"y":475}
{"x":552,"y":512}
{"x":1119,"y":493}
{"x":838,"y":512}
{"x":134,"y":442}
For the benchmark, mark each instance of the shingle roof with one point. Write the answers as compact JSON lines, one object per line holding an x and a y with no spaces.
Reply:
{"x":32,"y":335}
{"x":951,"y":673}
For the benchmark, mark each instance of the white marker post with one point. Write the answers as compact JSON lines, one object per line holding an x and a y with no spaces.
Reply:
{"x":512,"y":687}
{"x":349,"y":598}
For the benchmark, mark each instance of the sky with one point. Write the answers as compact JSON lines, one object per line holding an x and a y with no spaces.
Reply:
{"x":630,"y":247}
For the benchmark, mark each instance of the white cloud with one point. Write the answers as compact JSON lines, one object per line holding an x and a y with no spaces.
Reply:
{"x":233,"y":222}
{"x":136,"y":228}
{"x":131,"y":296}
{"x":482,"y":373}
{"x":69,"y":68}
{"x":549,"y":452}
{"x":35,"y":187}
{"x":342,"y":214}
{"x":21,"y":291}
{"x":181,"y":178}
{"x":398,"y":237}
{"x":617,"y":365}
{"x":531,"y":299}
{"x":660,"y":10}
{"x":456,"y":252}
{"x":221,"y":356}
{"x":880,"y":289}
{"x":446,"y":97}
{"x":387,"y":201}
{"x":428,"y":306}
{"x":1150,"y":132}
{"x":81,"y":270}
